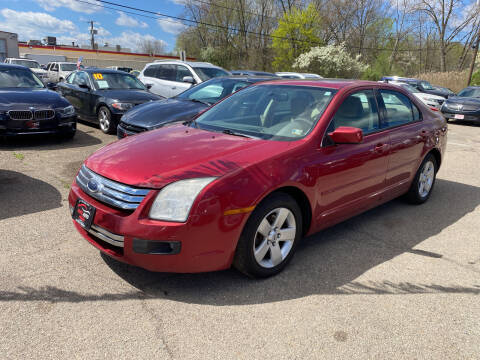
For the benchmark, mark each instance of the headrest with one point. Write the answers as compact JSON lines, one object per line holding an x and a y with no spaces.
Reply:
{"x":351,"y":108}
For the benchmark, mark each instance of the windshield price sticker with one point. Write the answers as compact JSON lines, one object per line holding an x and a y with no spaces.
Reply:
{"x":98,"y":76}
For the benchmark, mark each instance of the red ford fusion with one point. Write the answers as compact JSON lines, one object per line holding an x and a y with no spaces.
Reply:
{"x":247,"y":179}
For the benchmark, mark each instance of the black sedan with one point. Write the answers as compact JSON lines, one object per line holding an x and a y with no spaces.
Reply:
{"x":27,"y":107}
{"x":183,"y":106}
{"x":464,"y":106}
{"x":102,"y":96}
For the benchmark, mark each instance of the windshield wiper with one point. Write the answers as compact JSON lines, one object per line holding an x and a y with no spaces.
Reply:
{"x":230,"y":132}
{"x":201,"y":102}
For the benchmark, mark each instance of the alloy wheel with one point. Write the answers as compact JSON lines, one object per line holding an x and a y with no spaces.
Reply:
{"x":104,"y":120}
{"x":274,"y":237}
{"x":425,"y":181}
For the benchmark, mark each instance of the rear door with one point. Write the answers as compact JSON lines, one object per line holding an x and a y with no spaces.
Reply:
{"x":180,"y":86}
{"x":162,"y":77}
{"x":352,"y":176}
{"x":403,"y":120}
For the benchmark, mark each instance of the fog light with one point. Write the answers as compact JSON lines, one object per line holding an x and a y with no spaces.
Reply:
{"x":154,"y":247}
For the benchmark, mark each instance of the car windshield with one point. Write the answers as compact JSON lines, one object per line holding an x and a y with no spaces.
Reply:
{"x":19,"y":78}
{"x":117,"y":81}
{"x":409,"y":88}
{"x":210,"y":72}
{"x":213,"y":90}
{"x":271,"y":112}
{"x":470,"y":92}
{"x":68,"y":67}
{"x":426,"y":85}
{"x":28,"y":63}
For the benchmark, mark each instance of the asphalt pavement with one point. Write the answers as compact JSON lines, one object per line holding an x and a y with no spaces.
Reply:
{"x":398,"y":282}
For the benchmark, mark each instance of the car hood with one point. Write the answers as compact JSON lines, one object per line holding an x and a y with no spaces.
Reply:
{"x":39,"y":71}
{"x":135,"y":96}
{"x":437,"y":92}
{"x":15,"y":98}
{"x":156,"y":158}
{"x":429,"y":96}
{"x":464,"y":100}
{"x":155,"y":114}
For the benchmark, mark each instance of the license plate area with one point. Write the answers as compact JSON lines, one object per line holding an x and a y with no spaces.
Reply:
{"x":459,"y":116}
{"x":83,"y":213}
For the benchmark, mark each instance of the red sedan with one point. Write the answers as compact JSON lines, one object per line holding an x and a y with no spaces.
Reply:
{"x":245,"y":181}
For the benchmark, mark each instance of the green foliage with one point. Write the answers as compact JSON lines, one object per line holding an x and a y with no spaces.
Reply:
{"x":215,"y":56}
{"x":331,"y":61}
{"x":296,"y":33}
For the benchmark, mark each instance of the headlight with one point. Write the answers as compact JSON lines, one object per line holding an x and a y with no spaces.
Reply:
{"x":67,"y":112}
{"x":122,"y":106}
{"x":174,"y":201}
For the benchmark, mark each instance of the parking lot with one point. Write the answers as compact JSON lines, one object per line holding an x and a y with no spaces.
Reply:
{"x":398,"y":282}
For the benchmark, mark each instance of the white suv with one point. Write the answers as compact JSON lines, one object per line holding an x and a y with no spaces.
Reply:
{"x":32,"y":64}
{"x":58,"y":71}
{"x":171,"y":77}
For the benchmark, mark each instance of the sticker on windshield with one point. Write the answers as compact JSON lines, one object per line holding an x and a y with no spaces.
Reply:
{"x":98,"y":76}
{"x":328,"y":93}
{"x":102,"y":84}
{"x":297,"y":132}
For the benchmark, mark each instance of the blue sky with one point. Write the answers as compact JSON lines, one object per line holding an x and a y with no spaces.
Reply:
{"x":67,"y":20}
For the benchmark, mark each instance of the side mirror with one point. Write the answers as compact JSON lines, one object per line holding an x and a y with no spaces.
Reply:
{"x":188,"y":79}
{"x":347,"y":135}
{"x":148,"y":86}
{"x":51,"y":86}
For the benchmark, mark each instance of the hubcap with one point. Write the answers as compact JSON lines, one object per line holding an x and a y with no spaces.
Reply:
{"x":103,"y":120}
{"x":426,"y":178}
{"x":274,"y":237}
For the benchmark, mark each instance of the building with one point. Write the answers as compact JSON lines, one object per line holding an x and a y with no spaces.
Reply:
{"x":97,"y":57}
{"x":8,"y":45}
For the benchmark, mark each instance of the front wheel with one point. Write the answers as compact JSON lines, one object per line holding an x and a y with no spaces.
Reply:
{"x":105,"y":120}
{"x":270,"y":237}
{"x":423,"y":182}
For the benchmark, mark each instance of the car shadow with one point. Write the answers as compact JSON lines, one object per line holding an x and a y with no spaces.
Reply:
{"x":48,"y":142}
{"x":328,"y":262}
{"x":21,"y":194}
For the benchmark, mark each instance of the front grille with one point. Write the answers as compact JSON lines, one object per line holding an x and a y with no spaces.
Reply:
{"x":132,"y":128}
{"x":44,"y":114}
{"x":110,"y":192}
{"x":467,"y":108}
{"x":107,"y":236}
{"x":20,"y":114}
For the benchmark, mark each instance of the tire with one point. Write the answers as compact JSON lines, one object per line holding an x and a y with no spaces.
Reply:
{"x":105,"y":120}
{"x":424,"y":181}
{"x":273,"y":253}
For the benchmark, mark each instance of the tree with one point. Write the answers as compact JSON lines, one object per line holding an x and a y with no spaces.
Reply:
{"x":151,"y":46}
{"x":296,"y":33}
{"x":331,"y":61}
{"x":450,"y":18}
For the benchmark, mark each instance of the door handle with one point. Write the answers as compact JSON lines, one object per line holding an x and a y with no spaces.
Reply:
{"x":379,"y":148}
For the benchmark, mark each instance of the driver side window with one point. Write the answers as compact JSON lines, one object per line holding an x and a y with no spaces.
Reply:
{"x":358,"y":110}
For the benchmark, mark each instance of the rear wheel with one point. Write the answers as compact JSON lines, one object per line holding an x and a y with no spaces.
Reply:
{"x":270,"y":237}
{"x":424,"y":181}
{"x":105,"y":120}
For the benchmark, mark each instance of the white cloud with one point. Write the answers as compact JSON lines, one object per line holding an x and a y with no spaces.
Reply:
{"x":131,"y":40}
{"x":171,"y":26}
{"x":52,"y":5}
{"x":34,"y":25}
{"x":125,"y":20}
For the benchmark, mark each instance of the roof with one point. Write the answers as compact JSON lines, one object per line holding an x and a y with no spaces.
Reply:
{"x":190,"y":63}
{"x":4,"y":66}
{"x":103,"y":70}
{"x":327,"y":83}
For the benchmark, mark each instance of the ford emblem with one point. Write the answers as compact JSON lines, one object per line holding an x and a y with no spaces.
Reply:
{"x":93,"y":185}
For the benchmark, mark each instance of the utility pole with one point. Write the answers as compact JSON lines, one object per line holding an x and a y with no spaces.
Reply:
{"x":92,"y":34}
{"x":475,"y":52}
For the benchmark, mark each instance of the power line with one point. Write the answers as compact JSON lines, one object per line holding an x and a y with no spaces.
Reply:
{"x":222,"y":27}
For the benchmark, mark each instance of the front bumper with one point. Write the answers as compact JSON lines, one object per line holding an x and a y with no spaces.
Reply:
{"x":204,"y":243}
{"x":57,"y":126}
{"x":450,"y":115}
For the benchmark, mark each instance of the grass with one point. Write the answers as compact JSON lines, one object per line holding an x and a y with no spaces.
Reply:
{"x":19,"y":156}
{"x":454,"y":80}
